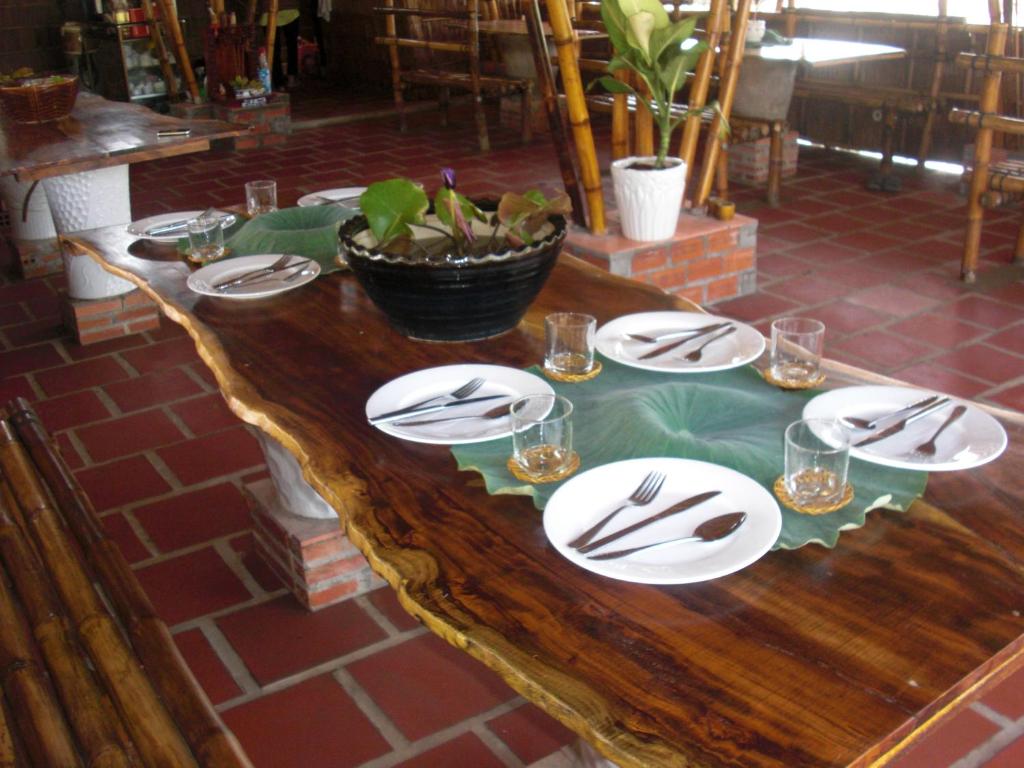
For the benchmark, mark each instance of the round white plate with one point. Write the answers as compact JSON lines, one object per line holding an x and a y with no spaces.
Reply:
{"x":138,"y":228}
{"x":340,"y":193}
{"x":203,"y":280}
{"x":732,"y":351}
{"x":417,"y":386}
{"x":975,"y":438}
{"x":588,"y":497}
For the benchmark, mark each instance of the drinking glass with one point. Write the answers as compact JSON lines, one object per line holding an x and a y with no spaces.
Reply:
{"x":797,"y":345}
{"x":817,"y":461}
{"x":569,"y":343}
{"x":542,"y":434}
{"x":260,"y":196}
{"x":205,"y":239}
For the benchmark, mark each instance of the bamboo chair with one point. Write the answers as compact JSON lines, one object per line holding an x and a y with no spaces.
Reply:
{"x":990,"y":184}
{"x":444,"y":39}
{"x":81,"y":687}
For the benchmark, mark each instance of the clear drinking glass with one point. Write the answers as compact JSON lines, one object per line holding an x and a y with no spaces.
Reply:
{"x":797,"y":346}
{"x":205,"y":239}
{"x":542,"y":434}
{"x":569,"y":343}
{"x":260,"y":196}
{"x":817,"y":461}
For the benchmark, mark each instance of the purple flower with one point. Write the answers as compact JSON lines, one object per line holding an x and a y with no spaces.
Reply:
{"x":448,"y":177}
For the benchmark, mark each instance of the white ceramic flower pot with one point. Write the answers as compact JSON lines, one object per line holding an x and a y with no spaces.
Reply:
{"x":648,"y":200}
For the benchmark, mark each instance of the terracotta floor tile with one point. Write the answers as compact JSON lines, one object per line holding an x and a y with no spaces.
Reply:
{"x":77,"y":351}
{"x":121,"y":532}
{"x":793,"y":232}
{"x":853,"y":275}
{"x":884,"y":350}
{"x":163,"y":386}
{"x":30,"y":359}
{"x":841,"y":318}
{"x":129,"y":434}
{"x":867,"y":241}
{"x":984,"y":362}
{"x":779,"y":265}
{"x":25,"y":290}
{"x":221,"y":453}
{"x":460,"y":686}
{"x":11,"y":314}
{"x":255,"y":564}
{"x":191,"y":585}
{"x":71,"y":410}
{"x":121,"y":482}
{"x":984,"y":311}
{"x":16,"y":386}
{"x":205,"y":414}
{"x":88,"y":373}
{"x":937,"y":285}
{"x":756,"y":306}
{"x":1012,"y":293}
{"x":465,"y":751}
{"x":167,"y":330}
{"x":1010,"y":398}
{"x":164,"y":354}
{"x":1007,"y":698}
{"x":314,"y":723}
{"x":280,"y":637}
{"x":206,"y":665}
{"x":939,"y":329}
{"x":69,"y":452}
{"x":941,"y":379}
{"x":193,"y":517}
{"x":808,"y":289}
{"x":35,"y":332}
{"x":957,"y":736}
{"x":892,"y":300}
{"x":832,"y":223}
{"x":531,"y":733}
{"x":44,"y":307}
{"x":386,"y":601}
{"x":1011,"y":756}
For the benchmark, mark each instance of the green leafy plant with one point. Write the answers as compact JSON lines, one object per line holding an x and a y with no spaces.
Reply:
{"x":658,"y":51}
{"x":392,"y":207}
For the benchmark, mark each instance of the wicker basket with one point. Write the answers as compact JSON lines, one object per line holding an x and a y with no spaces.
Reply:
{"x":37,"y":100}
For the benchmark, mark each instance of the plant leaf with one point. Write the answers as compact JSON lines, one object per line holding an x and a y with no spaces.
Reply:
{"x":391,"y":206}
{"x":613,"y":85}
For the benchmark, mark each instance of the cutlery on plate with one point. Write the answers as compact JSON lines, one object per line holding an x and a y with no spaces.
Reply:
{"x":322,"y":200}
{"x":698,"y":353}
{"x":858,"y":423}
{"x":676,"y":334}
{"x":465,"y":390}
{"x":927,"y":448}
{"x":715,"y":529}
{"x":676,"y":344}
{"x":676,"y":508}
{"x":280,"y":264}
{"x":260,"y":279}
{"x":643,"y":495}
{"x":495,"y":413}
{"x":403,"y":413}
{"x":174,"y":226}
{"x":902,"y":424}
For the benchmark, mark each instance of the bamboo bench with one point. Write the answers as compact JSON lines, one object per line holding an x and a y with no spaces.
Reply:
{"x":79,"y":686}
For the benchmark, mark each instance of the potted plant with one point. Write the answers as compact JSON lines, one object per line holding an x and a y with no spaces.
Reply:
{"x":453,"y":270}
{"x":660,"y":53}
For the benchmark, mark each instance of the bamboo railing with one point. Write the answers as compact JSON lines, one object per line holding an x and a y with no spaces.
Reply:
{"x":169,"y":15}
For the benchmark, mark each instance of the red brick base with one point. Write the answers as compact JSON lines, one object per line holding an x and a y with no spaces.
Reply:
{"x":37,"y":258}
{"x":313,"y":557}
{"x":101,"y":319}
{"x":707,"y":261}
{"x":748,"y":160}
{"x":269,"y":124}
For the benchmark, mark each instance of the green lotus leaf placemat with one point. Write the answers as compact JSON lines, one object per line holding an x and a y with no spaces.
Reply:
{"x":732,"y":418}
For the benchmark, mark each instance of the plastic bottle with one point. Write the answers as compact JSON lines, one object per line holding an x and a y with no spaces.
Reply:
{"x":264,"y":71}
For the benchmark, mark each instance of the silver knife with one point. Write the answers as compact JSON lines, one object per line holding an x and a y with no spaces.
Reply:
{"x":259,"y":279}
{"x":669,"y":347}
{"x":403,"y":413}
{"x":250,"y":276}
{"x":676,"y":508}
{"x":902,"y":424}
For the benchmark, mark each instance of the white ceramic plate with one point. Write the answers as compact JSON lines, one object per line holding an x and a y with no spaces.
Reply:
{"x":588,"y":497}
{"x":732,"y":351}
{"x":340,"y":193}
{"x":975,"y":438}
{"x":417,"y":386}
{"x":203,"y":280}
{"x":138,"y":228}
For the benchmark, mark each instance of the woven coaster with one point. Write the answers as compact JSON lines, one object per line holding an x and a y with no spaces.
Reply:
{"x":575,"y":378}
{"x":520,"y":474}
{"x":782,"y":493}
{"x":767,"y":375}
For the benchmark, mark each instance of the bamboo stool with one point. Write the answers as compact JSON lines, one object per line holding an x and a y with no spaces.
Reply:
{"x":78,"y":686}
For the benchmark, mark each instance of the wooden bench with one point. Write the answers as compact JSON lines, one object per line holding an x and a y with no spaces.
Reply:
{"x":79,"y":685}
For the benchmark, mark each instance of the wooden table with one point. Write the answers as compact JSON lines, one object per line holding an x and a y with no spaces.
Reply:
{"x":807,"y":658}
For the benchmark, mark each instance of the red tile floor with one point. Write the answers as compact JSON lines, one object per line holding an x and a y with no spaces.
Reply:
{"x":147,"y":434}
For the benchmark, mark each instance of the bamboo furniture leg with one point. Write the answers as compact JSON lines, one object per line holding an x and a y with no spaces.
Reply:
{"x":161,"y":49}
{"x":170,"y":20}
{"x":474,"y":77}
{"x":778,"y":133}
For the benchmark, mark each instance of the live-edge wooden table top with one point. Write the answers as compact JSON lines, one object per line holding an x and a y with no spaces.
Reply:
{"x":806,"y":658}
{"x":97,"y":134}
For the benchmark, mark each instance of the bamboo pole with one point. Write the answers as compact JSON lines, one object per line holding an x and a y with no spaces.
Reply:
{"x":170,"y":20}
{"x":250,"y":12}
{"x":579,"y":118}
{"x":8,"y":755}
{"x":271,"y":33}
{"x":982,"y":152}
{"x":474,"y":76}
{"x":391,"y":29}
{"x":935,"y":87}
{"x":620,"y":121}
{"x":556,"y":120}
{"x":203,"y":728}
{"x":726,"y":94}
{"x":161,"y":49}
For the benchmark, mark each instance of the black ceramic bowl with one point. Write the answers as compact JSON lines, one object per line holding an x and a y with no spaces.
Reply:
{"x":474,"y":299}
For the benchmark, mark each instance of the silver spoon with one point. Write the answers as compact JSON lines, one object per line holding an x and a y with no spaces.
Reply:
{"x":715,"y":529}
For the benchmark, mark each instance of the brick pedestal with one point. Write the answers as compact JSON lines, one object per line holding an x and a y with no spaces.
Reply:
{"x":101,"y":319}
{"x":313,"y":557}
{"x":37,"y":258}
{"x":269,"y":124}
{"x":748,"y":160}
{"x":706,"y":261}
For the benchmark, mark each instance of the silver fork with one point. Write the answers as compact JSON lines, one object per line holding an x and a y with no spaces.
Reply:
{"x":464,"y":391}
{"x":281,"y":263}
{"x":644,"y":494}
{"x":927,"y":448}
{"x":696,"y":354}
